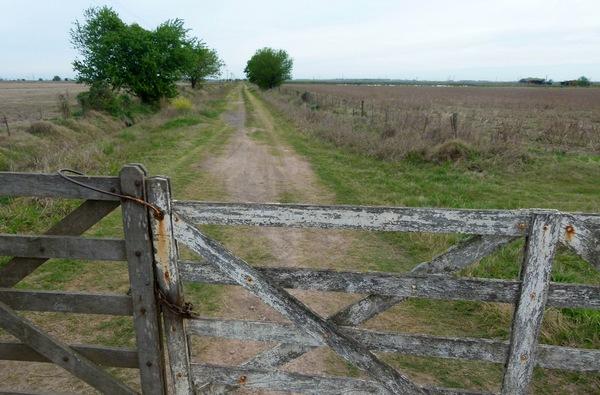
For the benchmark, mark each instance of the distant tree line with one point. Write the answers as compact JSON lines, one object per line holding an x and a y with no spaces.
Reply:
{"x":144,"y":63}
{"x":581,"y":81}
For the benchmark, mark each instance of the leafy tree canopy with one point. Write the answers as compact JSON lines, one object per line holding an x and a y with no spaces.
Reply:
{"x":203,"y":63}
{"x":269,"y":68}
{"x":583,"y":81}
{"x":146,"y":63}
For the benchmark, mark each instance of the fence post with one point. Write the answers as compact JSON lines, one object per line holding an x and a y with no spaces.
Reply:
{"x":141,"y":278}
{"x":529,"y":311}
{"x":169,"y":283}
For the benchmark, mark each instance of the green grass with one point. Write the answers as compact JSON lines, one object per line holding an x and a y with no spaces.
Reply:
{"x":173,"y":147}
{"x":181,"y":122}
{"x":567,"y":182}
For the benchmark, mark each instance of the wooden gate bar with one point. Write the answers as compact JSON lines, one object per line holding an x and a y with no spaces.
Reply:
{"x":51,"y":246}
{"x":301,"y":383}
{"x":103,"y":355}
{"x":293,"y":309}
{"x":75,"y":223}
{"x":529,"y":312}
{"x":387,"y":219}
{"x":496,"y":351}
{"x":67,"y":302}
{"x":401,"y":285}
{"x":60,"y":353}
{"x":141,"y":277}
{"x":53,"y":185}
{"x":169,"y":282}
{"x":579,"y":229}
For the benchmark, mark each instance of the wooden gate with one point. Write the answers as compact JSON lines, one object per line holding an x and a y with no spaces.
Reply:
{"x":151,"y":238}
{"x":63,"y":240}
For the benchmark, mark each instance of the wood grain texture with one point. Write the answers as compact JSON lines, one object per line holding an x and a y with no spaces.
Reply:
{"x":401,"y":285}
{"x":257,"y":379}
{"x":53,"y":185}
{"x":169,"y":282}
{"x":552,"y":357}
{"x":74,"y":247}
{"x":400,"y":219}
{"x":102,"y":355}
{"x":455,"y":258}
{"x":74,"y":224}
{"x":141,"y":278}
{"x":290,"y":307}
{"x":60,"y":353}
{"x":67,"y":302}
{"x":582,"y":235}
{"x":529,"y":313}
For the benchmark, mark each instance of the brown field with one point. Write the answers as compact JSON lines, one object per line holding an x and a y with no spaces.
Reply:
{"x":28,"y":101}
{"x":390,"y":122}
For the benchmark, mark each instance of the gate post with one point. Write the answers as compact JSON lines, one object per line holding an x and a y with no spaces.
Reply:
{"x":169,"y":284}
{"x":529,"y":310}
{"x":138,"y":246}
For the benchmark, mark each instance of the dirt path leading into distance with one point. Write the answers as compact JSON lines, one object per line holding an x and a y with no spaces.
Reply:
{"x":257,"y":166}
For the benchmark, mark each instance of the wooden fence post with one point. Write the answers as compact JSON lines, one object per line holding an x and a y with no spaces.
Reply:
{"x":169,"y":282}
{"x":529,"y":311}
{"x":141,"y":277}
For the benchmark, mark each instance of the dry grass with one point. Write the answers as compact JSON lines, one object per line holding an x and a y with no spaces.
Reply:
{"x":394,"y":122}
{"x":27,"y":101}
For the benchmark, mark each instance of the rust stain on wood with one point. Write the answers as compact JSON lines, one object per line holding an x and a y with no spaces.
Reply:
{"x":569,"y":232}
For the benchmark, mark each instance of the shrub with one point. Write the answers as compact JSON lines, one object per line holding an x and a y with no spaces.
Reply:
{"x":63,"y":104}
{"x":450,"y":151}
{"x":56,"y":78}
{"x":40,"y":128}
{"x":101,"y":97}
{"x":181,"y":104}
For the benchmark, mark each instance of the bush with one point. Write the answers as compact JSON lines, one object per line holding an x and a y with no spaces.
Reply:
{"x":101,"y":97}
{"x":40,"y":128}
{"x":182,"y":104}
{"x":56,"y":78}
{"x":451,"y":151}
{"x":63,"y":104}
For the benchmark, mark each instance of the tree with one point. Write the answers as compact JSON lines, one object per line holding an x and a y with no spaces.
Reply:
{"x":269,"y":67}
{"x":583,"y":81}
{"x":56,"y":78}
{"x":142,"y":62}
{"x":203,"y":62}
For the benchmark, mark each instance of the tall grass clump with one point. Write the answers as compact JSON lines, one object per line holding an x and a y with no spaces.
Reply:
{"x":182,"y":104}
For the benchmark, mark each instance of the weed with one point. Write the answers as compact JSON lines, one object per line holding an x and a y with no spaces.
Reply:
{"x":182,"y":104}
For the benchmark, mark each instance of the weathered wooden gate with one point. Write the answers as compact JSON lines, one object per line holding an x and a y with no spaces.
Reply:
{"x":147,"y":234}
{"x":63,"y":241}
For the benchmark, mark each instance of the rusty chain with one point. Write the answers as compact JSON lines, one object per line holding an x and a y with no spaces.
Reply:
{"x":184,"y":310}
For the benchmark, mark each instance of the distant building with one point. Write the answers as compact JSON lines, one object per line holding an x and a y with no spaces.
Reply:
{"x":569,"y":83}
{"x":533,"y":81}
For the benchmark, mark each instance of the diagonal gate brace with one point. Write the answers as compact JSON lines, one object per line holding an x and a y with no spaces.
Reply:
{"x":294,"y":310}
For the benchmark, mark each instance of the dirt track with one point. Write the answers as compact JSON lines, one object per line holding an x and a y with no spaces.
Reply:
{"x":267,"y":170}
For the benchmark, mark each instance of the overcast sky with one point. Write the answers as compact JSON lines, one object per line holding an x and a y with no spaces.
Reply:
{"x":424,"y":39}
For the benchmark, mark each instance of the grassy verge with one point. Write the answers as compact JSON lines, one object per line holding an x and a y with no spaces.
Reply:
{"x":171,"y":143}
{"x":562,"y":181}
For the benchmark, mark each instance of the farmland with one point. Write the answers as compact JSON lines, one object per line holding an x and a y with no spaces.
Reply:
{"x":392,"y":122}
{"x":237,"y":143}
{"x":28,"y":101}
